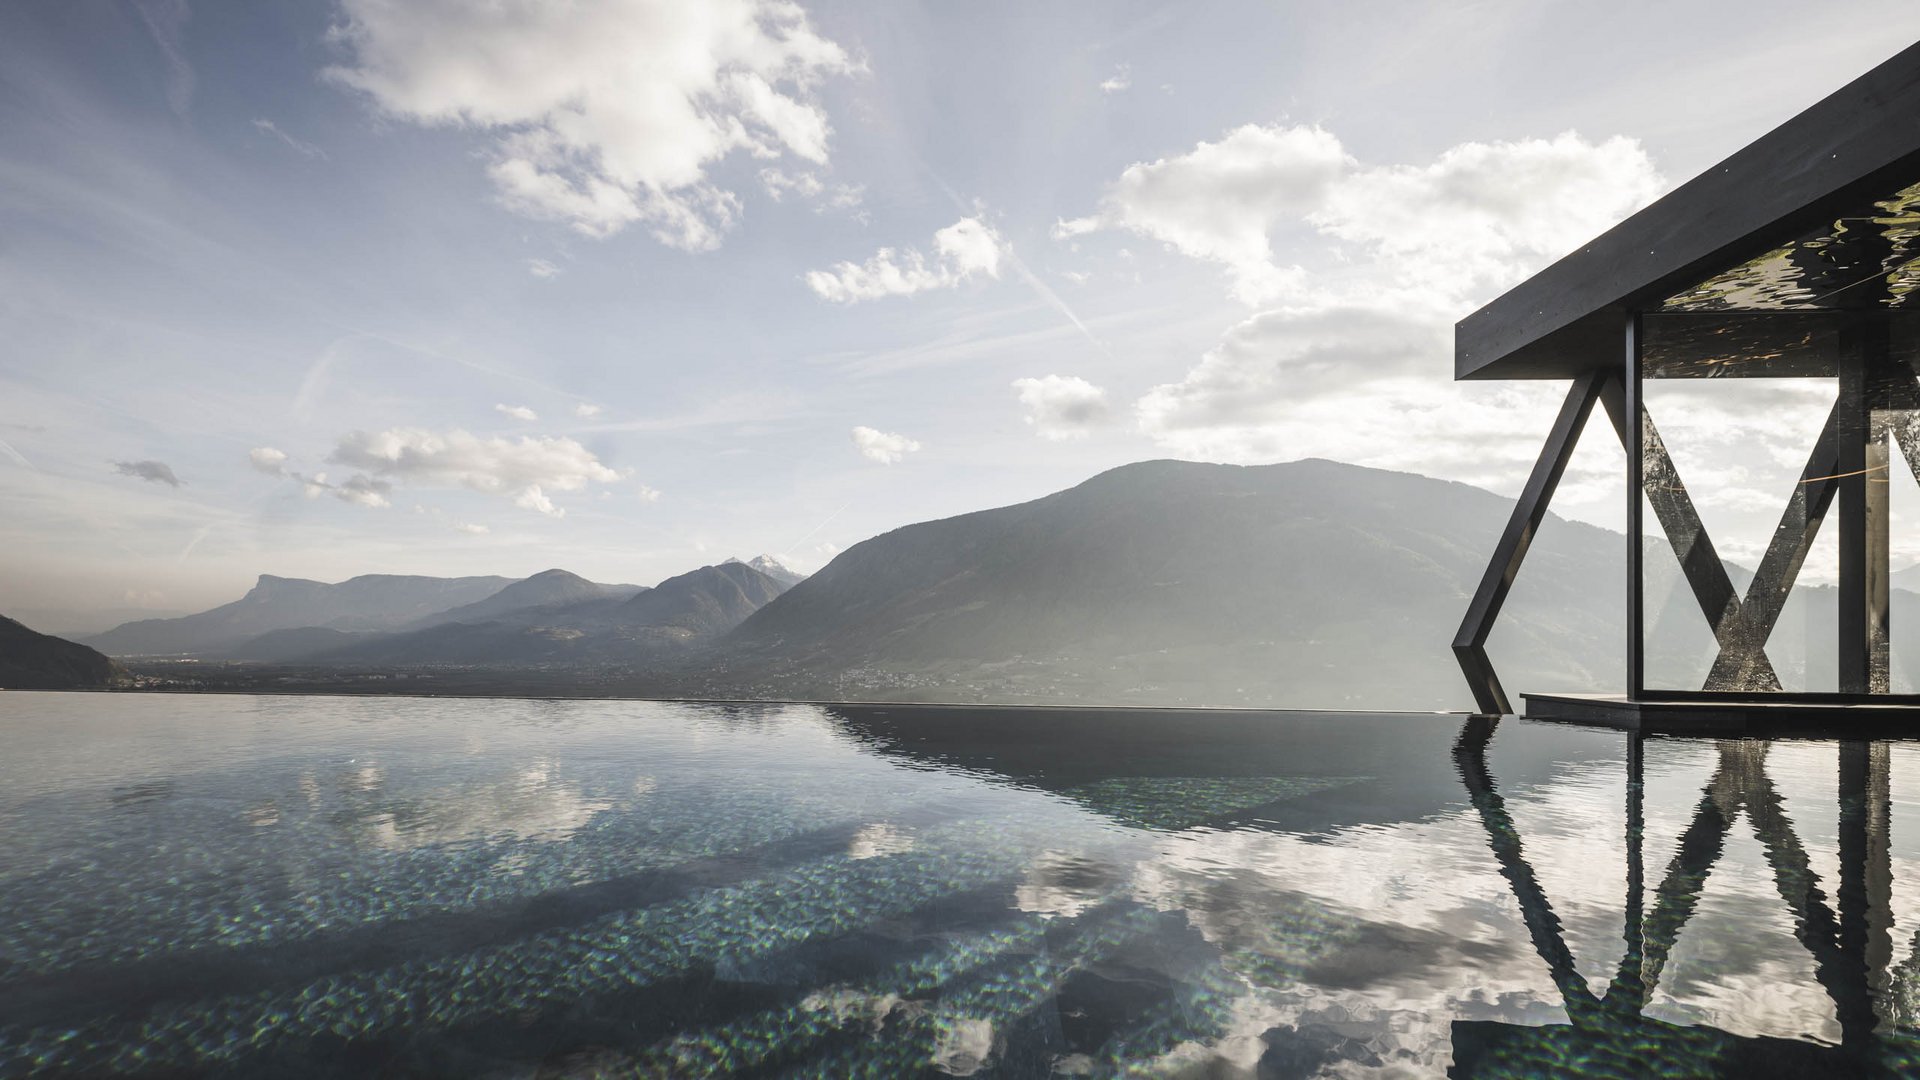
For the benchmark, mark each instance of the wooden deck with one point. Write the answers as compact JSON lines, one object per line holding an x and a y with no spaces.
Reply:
{"x":1724,"y":717}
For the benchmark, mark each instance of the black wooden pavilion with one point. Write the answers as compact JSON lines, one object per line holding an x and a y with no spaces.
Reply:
{"x":1796,"y":258}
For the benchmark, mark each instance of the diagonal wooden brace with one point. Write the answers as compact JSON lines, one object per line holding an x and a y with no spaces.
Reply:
{"x":1470,"y":644}
{"x":1706,"y":574}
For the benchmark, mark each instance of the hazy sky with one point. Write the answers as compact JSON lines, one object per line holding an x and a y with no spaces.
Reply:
{"x":627,"y":286}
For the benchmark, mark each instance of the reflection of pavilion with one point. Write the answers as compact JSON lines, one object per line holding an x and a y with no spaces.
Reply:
{"x":1608,"y":1032}
{"x":1795,"y":259}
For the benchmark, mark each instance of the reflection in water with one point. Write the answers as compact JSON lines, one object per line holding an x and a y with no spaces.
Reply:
{"x":628,"y":889}
{"x":1608,"y":1030}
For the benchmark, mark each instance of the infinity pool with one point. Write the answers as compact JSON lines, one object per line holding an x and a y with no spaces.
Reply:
{"x":306,"y":886}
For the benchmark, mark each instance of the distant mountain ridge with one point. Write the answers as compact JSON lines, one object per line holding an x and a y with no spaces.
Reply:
{"x":545,"y":589}
{"x":367,"y":602}
{"x":30,"y":660}
{"x":682,"y":612}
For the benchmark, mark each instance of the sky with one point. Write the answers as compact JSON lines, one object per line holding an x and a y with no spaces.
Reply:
{"x":631,"y":286}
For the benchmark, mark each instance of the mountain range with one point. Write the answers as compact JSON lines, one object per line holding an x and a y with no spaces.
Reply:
{"x":608,"y":629}
{"x":1311,"y":584}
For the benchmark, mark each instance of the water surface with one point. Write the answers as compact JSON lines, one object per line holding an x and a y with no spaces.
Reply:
{"x":311,"y":886}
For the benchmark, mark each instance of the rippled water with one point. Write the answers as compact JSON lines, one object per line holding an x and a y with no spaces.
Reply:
{"x":317,"y":886}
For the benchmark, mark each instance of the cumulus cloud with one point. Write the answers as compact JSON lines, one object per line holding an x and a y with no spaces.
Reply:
{"x":1118,"y":81}
{"x":517,"y":412}
{"x":1061,"y":406}
{"x":1471,"y":222}
{"x":1349,"y":356}
{"x":158,"y":472}
{"x":1221,"y":200}
{"x":268,"y":460}
{"x":542,"y":269}
{"x":648,"y":495}
{"x":586,"y":410}
{"x":966,"y":248}
{"x":884,"y":447}
{"x":606,"y":113}
{"x":1483,"y":216}
{"x":364,"y":491}
{"x":523,"y":469}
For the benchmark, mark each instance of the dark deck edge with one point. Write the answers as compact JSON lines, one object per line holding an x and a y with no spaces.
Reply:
{"x":1771,"y":718}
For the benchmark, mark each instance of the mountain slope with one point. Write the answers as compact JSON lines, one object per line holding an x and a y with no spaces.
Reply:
{"x":549,"y":588}
{"x":703,"y":603}
{"x":34,"y":661}
{"x":367,"y":602}
{"x":1305,"y":584}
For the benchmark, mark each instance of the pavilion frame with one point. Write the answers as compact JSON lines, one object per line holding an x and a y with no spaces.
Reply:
{"x":1850,"y":463}
{"x":1584,"y":319}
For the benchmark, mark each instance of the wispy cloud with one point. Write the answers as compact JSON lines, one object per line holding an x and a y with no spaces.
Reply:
{"x":166,"y":21}
{"x":299,"y":146}
{"x":358,"y":489}
{"x":517,"y":412}
{"x":14,"y":456}
{"x":157,"y":472}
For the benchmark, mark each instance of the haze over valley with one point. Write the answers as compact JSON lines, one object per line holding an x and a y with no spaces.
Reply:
{"x":1309,"y":584}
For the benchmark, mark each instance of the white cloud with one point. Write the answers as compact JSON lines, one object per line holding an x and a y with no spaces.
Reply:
{"x":1355,"y":364}
{"x":268,"y":460}
{"x":781,"y":183}
{"x":1221,"y":200}
{"x":364,"y":491}
{"x":1121,"y":78}
{"x":543,"y":269}
{"x":471,"y":529}
{"x":517,"y":412}
{"x":522,"y":469}
{"x":586,"y":410}
{"x":961,"y":250}
{"x":1483,"y":216}
{"x":155,"y":472}
{"x":604,"y":113}
{"x":1476,"y":219}
{"x":648,"y":495}
{"x":1061,"y":406}
{"x":532,"y":498}
{"x":884,"y":447}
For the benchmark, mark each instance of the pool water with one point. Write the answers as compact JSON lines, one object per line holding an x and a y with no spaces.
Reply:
{"x":307,"y":886}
